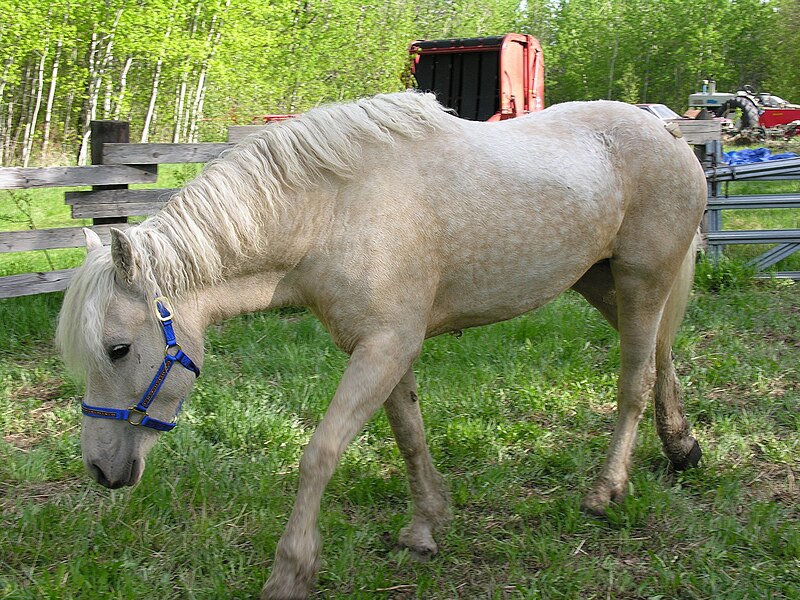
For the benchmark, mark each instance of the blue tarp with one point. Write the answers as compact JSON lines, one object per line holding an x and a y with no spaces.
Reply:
{"x":755,"y":155}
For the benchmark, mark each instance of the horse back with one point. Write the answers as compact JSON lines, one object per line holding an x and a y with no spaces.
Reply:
{"x":487,"y":221}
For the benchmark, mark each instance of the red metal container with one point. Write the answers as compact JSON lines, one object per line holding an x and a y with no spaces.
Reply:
{"x":482,"y":79}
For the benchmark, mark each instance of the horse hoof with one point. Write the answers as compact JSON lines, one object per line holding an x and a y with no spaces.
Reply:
{"x":600,"y":497}
{"x":420,"y":544}
{"x":285,"y":588}
{"x":594,"y":505}
{"x":690,"y":460}
{"x":272,"y":593}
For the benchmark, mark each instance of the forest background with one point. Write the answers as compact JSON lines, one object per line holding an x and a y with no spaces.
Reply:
{"x":182,"y":70}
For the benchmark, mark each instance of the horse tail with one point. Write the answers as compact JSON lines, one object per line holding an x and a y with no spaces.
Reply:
{"x":673,"y":429}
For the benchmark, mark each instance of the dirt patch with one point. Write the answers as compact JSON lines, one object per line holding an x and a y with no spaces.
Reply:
{"x":47,"y":390}
{"x":775,"y":483}
{"x":21,"y":441}
{"x":12,"y":496}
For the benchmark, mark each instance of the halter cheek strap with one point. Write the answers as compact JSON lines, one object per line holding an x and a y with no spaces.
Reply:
{"x":137,"y":415}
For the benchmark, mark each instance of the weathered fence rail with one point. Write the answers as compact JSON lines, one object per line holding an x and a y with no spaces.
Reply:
{"x":117,"y":164}
{"x":23,"y":178}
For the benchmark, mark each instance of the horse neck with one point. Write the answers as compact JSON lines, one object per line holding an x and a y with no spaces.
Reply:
{"x":258,"y":276}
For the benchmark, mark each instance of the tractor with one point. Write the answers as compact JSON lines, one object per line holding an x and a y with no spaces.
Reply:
{"x":759,"y":114}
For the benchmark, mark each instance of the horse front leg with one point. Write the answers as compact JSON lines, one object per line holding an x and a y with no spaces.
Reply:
{"x":374,"y":369}
{"x":429,"y":497}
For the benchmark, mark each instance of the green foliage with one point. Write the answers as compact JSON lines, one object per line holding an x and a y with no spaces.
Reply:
{"x":189,"y":69}
{"x":722,"y":274}
{"x":644,"y":51}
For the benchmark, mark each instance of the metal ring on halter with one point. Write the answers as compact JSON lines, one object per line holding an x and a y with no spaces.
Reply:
{"x":133,"y":410}
{"x":177,"y":351}
{"x":137,"y":415}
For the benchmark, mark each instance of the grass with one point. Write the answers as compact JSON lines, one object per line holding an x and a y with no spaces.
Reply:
{"x":519,"y":415}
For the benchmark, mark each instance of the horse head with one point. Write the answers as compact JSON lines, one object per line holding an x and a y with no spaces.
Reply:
{"x":124,"y":344}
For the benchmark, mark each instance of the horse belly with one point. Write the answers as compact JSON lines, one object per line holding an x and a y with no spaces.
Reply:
{"x":513,"y":256}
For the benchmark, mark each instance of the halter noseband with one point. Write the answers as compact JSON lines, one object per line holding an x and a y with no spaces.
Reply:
{"x":137,"y":415}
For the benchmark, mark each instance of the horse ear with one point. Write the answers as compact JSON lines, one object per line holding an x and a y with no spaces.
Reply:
{"x":122,"y":256}
{"x":93,"y":241}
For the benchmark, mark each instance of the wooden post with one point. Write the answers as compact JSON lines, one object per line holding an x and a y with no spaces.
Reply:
{"x":108,"y":132}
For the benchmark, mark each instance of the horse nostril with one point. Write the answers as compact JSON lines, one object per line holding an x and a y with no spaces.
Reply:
{"x":100,"y":477}
{"x":97,"y":474}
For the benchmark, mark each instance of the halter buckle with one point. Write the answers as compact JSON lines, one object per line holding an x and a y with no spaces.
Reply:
{"x":166,"y":305}
{"x":135,"y":411}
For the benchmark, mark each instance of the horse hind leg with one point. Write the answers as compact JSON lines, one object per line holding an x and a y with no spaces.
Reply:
{"x":647,"y":314}
{"x":639,"y":309}
{"x":429,"y":497}
{"x":681,"y":448}
{"x":597,"y":286}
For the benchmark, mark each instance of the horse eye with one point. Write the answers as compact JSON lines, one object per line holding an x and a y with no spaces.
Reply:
{"x":118,"y":351}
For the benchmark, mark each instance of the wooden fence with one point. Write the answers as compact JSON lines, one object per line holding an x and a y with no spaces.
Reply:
{"x":116,"y":164}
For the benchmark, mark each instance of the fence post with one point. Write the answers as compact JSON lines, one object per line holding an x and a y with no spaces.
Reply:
{"x":107,"y":132}
{"x":714,"y":217}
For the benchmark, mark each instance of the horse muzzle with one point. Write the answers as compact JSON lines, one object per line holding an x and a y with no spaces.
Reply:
{"x":115,"y":477}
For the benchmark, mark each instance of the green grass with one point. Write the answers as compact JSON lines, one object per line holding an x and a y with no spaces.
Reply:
{"x":519,"y":415}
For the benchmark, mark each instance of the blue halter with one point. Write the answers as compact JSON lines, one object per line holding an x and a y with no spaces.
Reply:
{"x":137,"y":415}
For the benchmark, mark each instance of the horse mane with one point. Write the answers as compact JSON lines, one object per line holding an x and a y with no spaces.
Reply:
{"x":222,"y":215}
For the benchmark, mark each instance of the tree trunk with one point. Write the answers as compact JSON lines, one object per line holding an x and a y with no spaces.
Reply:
{"x":611,"y":67}
{"x":197,"y":108}
{"x":98,"y":64}
{"x":151,"y":108}
{"x":123,"y":84}
{"x":109,"y":91}
{"x":5,"y":128}
{"x":213,"y":40}
{"x":51,"y":94}
{"x":24,"y":111}
{"x":4,"y":77}
{"x":181,"y":107}
{"x":148,"y":118}
{"x":7,"y":140}
{"x":90,"y":106}
{"x":68,"y":135}
{"x":105,"y":63}
{"x":180,"y":98}
{"x":30,"y":126}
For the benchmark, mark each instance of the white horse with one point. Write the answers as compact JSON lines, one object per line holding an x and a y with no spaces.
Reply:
{"x":393,"y":221}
